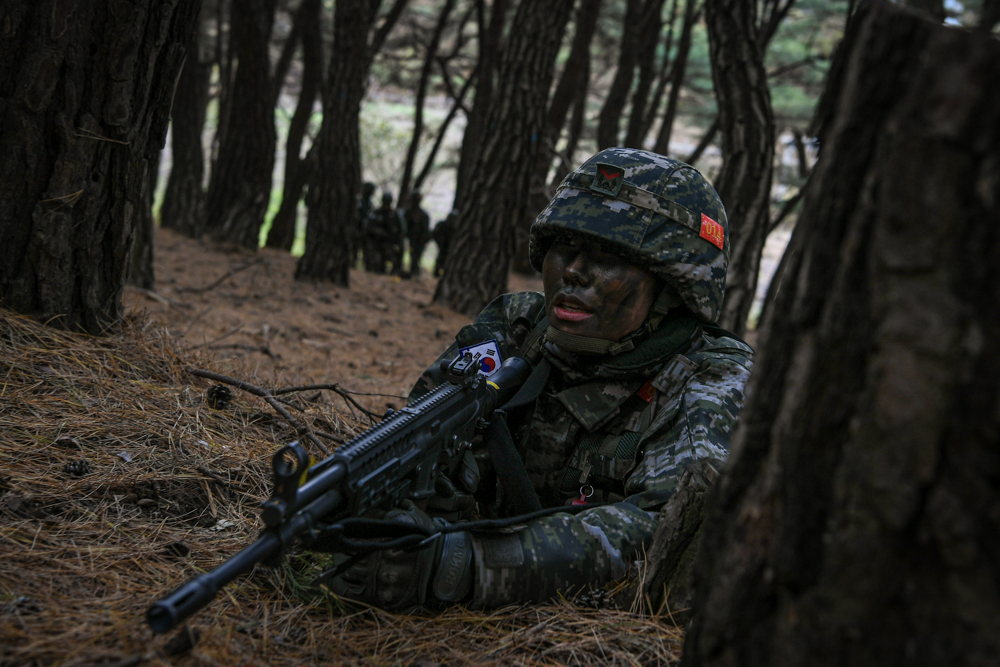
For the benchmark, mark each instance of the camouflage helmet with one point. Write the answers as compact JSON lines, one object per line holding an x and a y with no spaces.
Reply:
{"x":654,"y":212}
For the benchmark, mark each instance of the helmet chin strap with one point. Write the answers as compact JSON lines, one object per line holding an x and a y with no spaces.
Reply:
{"x":589,"y":345}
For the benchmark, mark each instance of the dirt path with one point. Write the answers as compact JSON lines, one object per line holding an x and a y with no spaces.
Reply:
{"x":263,"y":326}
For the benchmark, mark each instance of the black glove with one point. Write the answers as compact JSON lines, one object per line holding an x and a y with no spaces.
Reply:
{"x":441,"y":572}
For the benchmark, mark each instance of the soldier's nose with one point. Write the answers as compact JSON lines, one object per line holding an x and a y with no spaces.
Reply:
{"x":576,"y":271}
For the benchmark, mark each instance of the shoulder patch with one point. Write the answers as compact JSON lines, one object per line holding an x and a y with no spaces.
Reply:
{"x":487,"y":354}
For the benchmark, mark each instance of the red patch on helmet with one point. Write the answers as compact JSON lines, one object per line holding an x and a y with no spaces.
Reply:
{"x":712,"y":232}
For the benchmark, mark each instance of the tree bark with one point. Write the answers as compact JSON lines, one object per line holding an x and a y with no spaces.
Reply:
{"x":479,"y":259}
{"x":418,"y":102}
{"x":330,"y":228}
{"x":649,"y":35}
{"x":84,"y":106}
{"x":856,"y":522}
{"x":567,"y":161}
{"x":240,"y":185}
{"x":614,"y":102}
{"x":282,"y":232}
{"x":140,"y":272}
{"x":747,"y":124}
{"x":572,"y":84}
{"x":184,"y":196}
{"x":668,"y":584}
{"x":653,"y":105}
{"x":490,"y":40}
{"x":677,"y":73}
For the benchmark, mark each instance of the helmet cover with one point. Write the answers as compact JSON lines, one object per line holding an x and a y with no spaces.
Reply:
{"x":651,"y":210}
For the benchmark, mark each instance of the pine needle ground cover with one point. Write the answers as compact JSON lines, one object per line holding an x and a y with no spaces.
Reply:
{"x":118,"y":482}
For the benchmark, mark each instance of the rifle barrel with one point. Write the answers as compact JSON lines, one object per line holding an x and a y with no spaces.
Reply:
{"x":163,"y":615}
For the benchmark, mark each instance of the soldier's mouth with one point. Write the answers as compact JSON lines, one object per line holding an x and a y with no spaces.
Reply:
{"x":571,"y":309}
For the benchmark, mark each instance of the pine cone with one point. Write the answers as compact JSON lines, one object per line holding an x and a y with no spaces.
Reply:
{"x":218,"y":397}
{"x":77,"y":468}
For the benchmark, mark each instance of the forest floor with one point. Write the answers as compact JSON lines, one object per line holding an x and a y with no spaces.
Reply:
{"x":118,"y":482}
{"x":256,"y":321}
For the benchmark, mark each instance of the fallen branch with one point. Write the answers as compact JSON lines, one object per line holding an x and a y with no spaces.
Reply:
{"x":156,"y":296}
{"x":249,"y":348}
{"x":215,"y":476}
{"x":300,"y":429}
{"x":346,"y":394}
{"x":228,"y":274}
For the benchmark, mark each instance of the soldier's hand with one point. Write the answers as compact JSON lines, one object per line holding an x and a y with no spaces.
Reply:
{"x":392,"y":579}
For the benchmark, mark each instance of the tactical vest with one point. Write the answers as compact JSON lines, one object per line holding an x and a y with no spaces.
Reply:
{"x":585,"y":441}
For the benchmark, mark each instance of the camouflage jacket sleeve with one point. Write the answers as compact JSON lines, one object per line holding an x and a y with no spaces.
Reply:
{"x":562,"y":553}
{"x":694,"y":419}
{"x":507,"y":320}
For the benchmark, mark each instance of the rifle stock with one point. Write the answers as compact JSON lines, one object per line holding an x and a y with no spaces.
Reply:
{"x":401,"y":457}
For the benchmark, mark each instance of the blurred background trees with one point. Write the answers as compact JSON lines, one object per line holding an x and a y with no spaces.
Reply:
{"x":284,"y":107}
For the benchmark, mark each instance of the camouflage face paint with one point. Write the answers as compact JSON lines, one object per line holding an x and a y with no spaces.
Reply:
{"x":592,"y":292}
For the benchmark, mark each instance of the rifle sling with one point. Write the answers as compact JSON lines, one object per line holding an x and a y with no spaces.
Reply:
{"x":506,"y":461}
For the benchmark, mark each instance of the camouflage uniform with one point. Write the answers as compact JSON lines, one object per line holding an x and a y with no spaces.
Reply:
{"x":627,"y":426}
{"x":623,"y":421}
{"x":417,"y":232}
{"x":442,"y":234}
{"x":383,"y":239}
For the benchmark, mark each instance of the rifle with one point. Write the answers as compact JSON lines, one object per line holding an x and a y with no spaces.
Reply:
{"x":410,"y":454}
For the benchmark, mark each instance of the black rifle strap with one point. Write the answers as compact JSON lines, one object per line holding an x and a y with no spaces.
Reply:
{"x":507,"y":462}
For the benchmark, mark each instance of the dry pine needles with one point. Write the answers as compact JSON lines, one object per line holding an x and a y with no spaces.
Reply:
{"x":118,"y":482}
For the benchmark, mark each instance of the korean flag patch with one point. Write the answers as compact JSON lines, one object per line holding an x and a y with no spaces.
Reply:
{"x":487,"y":354}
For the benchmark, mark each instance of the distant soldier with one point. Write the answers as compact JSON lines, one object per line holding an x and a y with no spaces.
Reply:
{"x":365,"y":207}
{"x":443,"y":231}
{"x":383,"y":237}
{"x":418,"y":231}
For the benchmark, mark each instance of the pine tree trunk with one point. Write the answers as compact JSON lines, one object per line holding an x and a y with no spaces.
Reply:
{"x":653,"y":105}
{"x":418,"y":104}
{"x":572,"y":84}
{"x":677,"y":74}
{"x":282,"y":233}
{"x":84,"y":105}
{"x":240,"y":186}
{"x":330,"y":227}
{"x":649,"y":35}
{"x":490,"y":40}
{"x":141,"y":273}
{"x":483,"y":246}
{"x":856,"y":523}
{"x":614,"y":102}
{"x":747,"y":124}
{"x":184,"y":196}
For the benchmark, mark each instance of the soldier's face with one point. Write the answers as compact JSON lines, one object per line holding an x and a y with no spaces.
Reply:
{"x":590,"y":292}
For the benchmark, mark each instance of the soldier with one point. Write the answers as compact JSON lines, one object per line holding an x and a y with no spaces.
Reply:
{"x":383,"y":237}
{"x":365,"y":207}
{"x":417,"y":224}
{"x":636,"y":384}
{"x":442,"y":234}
